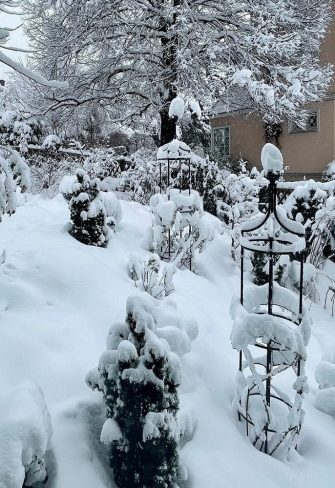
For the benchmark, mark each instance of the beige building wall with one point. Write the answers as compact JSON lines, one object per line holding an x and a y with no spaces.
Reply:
{"x":306,"y":153}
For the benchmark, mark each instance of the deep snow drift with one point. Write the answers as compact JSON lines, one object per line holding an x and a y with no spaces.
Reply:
{"x":58,"y":299}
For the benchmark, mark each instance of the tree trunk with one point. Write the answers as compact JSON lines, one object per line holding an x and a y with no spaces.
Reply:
{"x":169,"y":59}
{"x":168,"y":127}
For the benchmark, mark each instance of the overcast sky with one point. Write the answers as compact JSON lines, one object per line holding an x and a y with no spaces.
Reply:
{"x":17,"y":39}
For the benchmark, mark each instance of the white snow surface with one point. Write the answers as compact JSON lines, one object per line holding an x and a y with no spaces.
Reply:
{"x":25,"y":433}
{"x":58,"y":300}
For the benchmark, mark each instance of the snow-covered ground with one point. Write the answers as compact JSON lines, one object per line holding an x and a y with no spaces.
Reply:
{"x":58,"y":299}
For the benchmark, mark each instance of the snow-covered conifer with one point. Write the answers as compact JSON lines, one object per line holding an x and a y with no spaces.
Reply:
{"x":303,"y":204}
{"x":139,"y":375}
{"x":87,"y":212}
{"x":14,"y":174}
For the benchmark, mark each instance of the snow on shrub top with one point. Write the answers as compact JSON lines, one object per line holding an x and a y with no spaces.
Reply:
{"x":195,"y":108}
{"x":25,"y":433}
{"x":177,"y":108}
{"x":174,"y":149}
{"x":272,"y":160}
{"x":163,"y":318}
{"x":51,"y":142}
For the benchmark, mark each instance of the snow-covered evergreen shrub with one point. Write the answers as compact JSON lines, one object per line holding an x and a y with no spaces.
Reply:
{"x":14,"y":174}
{"x":155,"y":277}
{"x":180,"y":228}
{"x":141,"y":180}
{"x":18,"y":131}
{"x":25,"y":435}
{"x":239,"y":201}
{"x":196,"y":131}
{"x":323,"y":233}
{"x":329,"y":173}
{"x":105,"y":162}
{"x":87,"y":212}
{"x":139,"y":375}
{"x":303,"y":204}
{"x":48,"y":165}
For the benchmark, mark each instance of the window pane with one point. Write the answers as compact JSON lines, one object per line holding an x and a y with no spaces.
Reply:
{"x":311,"y":124}
{"x":221,"y":141}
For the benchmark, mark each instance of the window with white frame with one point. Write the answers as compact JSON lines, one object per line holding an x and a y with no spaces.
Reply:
{"x":221,"y":141}
{"x":310,"y":124}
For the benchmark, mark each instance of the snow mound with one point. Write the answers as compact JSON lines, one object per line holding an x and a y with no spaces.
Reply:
{"x":112,"y":208}
{"x":325,"y":375}
{"x":325,"y":401}
{"x":25,"y":435}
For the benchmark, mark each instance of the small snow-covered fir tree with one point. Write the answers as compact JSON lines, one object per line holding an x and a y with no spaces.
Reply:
{"x":87,"y":212}
{"x":303,"y":204}
{"x":14,"y":174}
{"x":139,"y":377}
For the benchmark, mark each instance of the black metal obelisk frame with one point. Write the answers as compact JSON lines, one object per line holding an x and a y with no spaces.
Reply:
{"x":256,"y":237}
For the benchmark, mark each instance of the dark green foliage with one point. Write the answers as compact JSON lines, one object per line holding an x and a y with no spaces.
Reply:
{"x":196,"y":132}
{"x":304,"y":203}
{"x":144,"y":387}
{"x":259,"y":261}
{"x":272,"y":133}
{"x":210,"y":192}
{"x":87,"y":213}
{"x":279,"y":274}
{"x":18,"y":130}
{"x":139,"y":378}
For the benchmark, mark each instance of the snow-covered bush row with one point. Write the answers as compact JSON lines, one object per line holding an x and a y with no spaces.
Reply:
{"x":18,"y":131}
{"x":139,"y":375}
{"x":25,"y":435}
{"x":106,"y":162}
{"x":155,"y":277}
{"x":147,"y":174}
{"x":49,"y":165}
{"x":180,"y":227}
